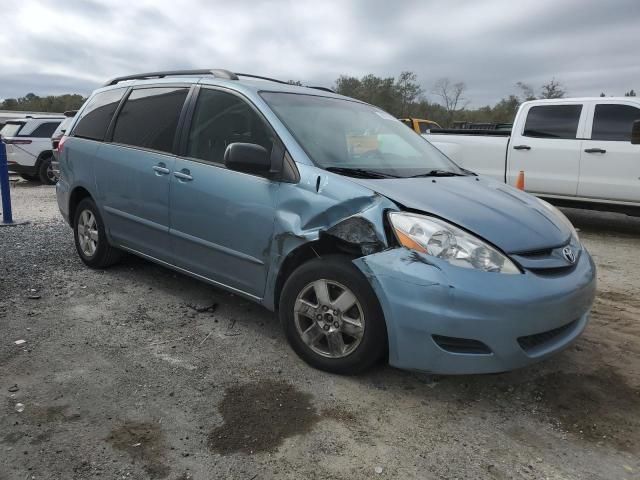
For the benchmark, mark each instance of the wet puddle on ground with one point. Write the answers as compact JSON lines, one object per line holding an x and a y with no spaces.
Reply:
{"x":258,"y":417}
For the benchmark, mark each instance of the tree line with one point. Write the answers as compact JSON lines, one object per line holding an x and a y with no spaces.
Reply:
{"x":51,"y":103}
{"x":401,"y":96}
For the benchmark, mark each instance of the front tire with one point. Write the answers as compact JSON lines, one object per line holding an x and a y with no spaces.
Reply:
{"x":90,"y":237}
{"x":45,"y":172}
{"x":332,"y":317}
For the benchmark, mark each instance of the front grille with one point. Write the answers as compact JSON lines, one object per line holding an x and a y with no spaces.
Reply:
{"x":536,"y":340}
{"x":461,"y":345}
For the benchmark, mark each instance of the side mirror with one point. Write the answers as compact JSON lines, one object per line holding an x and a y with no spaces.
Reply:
{"x":248,"y":158}
{"x":635,"y":133}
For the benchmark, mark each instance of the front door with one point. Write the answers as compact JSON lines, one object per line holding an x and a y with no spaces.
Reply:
{"x":547,"y":149}
{"x":133,"y":170}
{"x":222,"y":220}
{"x":610,"y":165}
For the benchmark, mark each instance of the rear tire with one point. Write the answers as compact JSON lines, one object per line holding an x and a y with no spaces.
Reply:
{"x":90,"y":237}
{"x":45,"y":172}
{"x":311,"y":322}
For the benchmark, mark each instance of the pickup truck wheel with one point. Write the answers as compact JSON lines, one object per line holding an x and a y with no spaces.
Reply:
{"x":332,"y":317}
{"x":90,"y":237}
{"x":45,"y":172}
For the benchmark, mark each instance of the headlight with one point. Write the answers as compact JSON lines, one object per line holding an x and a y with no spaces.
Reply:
{"x":562,"y":217}
{"x":442,"y":240}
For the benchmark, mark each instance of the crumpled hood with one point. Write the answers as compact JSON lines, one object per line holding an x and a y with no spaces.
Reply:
{"x":509,"y":218}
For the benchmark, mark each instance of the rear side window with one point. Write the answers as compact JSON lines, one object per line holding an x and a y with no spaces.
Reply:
{"x":149,"y":118}
{"x":96,"y":116}
{"x":553,"y":121}
{"x":220,"y":119}
{"x":11,"y":129}
{"x":44,"y":130}
{"x":614,"y":122}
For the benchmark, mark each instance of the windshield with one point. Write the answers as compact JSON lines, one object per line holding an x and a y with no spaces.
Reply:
{"x":351,"y":137}
{"x":11,"y":129}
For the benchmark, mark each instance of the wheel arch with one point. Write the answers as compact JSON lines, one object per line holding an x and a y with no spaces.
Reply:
{"x":77,"y":195}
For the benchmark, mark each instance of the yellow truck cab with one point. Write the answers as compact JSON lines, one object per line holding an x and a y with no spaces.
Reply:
{"x":419,"y":125}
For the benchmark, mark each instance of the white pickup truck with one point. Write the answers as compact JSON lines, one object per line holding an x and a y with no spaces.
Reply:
{"x":581,"y":152}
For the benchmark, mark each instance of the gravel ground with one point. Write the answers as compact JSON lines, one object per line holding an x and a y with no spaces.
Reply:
{"x":133,"y":373}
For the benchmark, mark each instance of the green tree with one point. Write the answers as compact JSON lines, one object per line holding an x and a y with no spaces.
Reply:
{"x":630,"y":93}
{"x":408,"y":90}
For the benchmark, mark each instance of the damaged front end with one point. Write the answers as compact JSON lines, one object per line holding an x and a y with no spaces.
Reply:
{"x":324,"y":214}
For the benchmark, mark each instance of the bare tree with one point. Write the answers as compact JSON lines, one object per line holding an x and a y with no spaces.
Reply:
{"x":408,"y":90}
{"x":452,"y":96}
{"x":553,"y":89}
{"x":527,"y":91}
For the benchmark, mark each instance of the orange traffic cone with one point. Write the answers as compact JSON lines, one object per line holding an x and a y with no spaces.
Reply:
{"x":520,"y":180}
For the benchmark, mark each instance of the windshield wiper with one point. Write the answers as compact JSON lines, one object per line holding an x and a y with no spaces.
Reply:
{"x":439,"y":173}
{"x":359,"y":172}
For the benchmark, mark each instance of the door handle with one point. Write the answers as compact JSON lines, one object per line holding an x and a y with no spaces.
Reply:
{"x":161,"y":169}
{"x":595,"y":150}
{"x":184,"y":175}
{"x":522,"y":147}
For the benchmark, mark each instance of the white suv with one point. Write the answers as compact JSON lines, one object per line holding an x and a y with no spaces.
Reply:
{"x":28,"y":143}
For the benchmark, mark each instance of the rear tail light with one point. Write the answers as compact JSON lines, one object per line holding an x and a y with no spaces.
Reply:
{"x":60,"y":145}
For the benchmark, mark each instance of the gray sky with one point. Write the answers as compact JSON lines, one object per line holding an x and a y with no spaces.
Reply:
{"x":71,"y":46}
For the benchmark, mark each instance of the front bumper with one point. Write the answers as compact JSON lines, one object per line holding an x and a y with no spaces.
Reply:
{"x":520,"y":319}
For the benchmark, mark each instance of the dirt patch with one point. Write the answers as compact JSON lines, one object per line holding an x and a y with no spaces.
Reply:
{"x":598,"y":407}
{"x":51,"y":414}
{"x":145,"y":443}
{"x":620,"y":298}
{"x":259,"y":416}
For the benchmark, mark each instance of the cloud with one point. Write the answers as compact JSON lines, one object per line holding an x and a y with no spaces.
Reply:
{"x":75,"y":45}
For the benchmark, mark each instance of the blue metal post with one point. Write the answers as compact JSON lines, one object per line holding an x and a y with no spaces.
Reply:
{"x":7,"y":217}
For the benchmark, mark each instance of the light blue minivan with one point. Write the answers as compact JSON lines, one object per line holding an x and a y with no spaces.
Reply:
{"x":367,"y":240}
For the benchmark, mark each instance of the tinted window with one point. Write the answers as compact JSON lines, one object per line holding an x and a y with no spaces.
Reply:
{"x":149,"y":118}
{"x":220,"y":119}
{"x":614,"y":122}
{"x":44,"y":130}
{"x":426,"y":126}
{"x":553,"y":121}
{"x":96,"y":116}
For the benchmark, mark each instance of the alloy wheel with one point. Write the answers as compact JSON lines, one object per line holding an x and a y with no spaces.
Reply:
{"x":88,"y":233}
{"x":329,"y":318}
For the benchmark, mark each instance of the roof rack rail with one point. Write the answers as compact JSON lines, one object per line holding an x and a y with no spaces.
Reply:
{"x":259,"y":77}
{"x":324,"y":89}
{"x":216,"y":72}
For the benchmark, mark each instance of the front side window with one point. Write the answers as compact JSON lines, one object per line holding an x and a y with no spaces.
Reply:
{"x":149,"y":118}
{"x":614,"y":122}
{"x":221,"y":118}
{"x":44,"y":130}
{"x":553,"y":121}
{"x":353,"y":138}
{"x":95,"y":117}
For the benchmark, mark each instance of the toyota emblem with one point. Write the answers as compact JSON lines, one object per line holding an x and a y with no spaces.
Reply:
{"x":569,"y":255}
